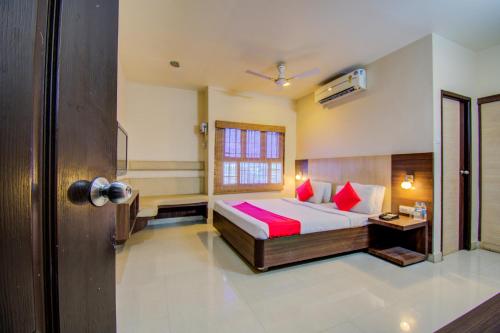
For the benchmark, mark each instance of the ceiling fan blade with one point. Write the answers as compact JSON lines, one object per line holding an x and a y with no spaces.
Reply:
{"x":310,"y":72}
{"x":259,"y":75}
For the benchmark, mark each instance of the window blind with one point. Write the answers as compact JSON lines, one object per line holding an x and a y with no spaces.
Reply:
{"x":248,"y":157}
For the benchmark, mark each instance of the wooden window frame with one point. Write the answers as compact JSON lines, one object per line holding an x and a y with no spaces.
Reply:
{"x":220,"y":158}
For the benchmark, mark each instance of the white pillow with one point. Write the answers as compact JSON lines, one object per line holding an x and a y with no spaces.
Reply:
{"x":321,"y":191}
{"x":372,"y":198}
{"x":327,"y":196}
{"x":379,"y":201}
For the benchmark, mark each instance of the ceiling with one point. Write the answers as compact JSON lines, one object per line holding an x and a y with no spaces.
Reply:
{"x":215,"y":41}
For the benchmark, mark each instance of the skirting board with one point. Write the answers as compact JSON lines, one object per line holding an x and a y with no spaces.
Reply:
{"x":435,"y":257}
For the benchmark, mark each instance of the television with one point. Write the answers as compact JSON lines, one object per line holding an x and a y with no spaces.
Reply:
{"x":121,"y":151}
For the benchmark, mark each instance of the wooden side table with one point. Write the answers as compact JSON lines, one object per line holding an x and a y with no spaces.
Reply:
{"x":402,"y":241}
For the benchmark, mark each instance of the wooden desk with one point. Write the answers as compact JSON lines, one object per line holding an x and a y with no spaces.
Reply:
{"x":126,"y":216}
{"x":130,"y":219}
{"x":402,"y":242}
{"x":169,"y":206}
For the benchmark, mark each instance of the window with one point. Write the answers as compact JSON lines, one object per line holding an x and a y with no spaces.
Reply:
{"x":232,"y":142}
{"x":248,"y":157}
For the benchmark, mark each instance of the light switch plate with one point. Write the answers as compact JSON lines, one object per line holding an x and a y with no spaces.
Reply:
{"x":406,"y":210}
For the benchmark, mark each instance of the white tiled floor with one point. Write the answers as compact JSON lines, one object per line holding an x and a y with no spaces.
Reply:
{"x":185,"y":278}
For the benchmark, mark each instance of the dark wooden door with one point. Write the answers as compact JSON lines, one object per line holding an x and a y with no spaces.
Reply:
{"x":22,"y":59}
{"x":58,"y":125}
{"x":85,"y":132}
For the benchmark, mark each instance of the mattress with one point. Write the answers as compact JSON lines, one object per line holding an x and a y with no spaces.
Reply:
{"x":313,"y":217}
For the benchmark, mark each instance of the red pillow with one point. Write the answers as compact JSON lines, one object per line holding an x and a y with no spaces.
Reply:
{"x":305,"y":191}
{"x":346,"y":198}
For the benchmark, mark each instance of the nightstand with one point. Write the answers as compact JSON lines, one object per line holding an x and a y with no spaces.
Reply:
{"x":402,"y":241}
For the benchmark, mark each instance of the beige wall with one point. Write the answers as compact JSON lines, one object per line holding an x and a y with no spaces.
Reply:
{"x":472,"y":74}
{"x":120,"y":93}
{"x":162,"y":123}
{"x":404,"y":94}
{"x":455,"y":70}
{"x":252,"y":108}
{"x":394,"y":115}
{"x":489,"y":72}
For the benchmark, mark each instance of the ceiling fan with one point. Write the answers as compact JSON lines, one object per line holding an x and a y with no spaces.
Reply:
{"x":282,"y":80}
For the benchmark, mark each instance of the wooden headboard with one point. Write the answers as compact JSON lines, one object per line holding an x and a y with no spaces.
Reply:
{"x":386,"y":170}
{"x":375,"y":170}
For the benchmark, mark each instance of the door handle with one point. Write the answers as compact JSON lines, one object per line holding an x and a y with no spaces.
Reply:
{"x":99,"y":191}
{"x":464,"y":172}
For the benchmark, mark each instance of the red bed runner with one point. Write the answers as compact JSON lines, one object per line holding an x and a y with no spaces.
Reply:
{"x":279,"y":226}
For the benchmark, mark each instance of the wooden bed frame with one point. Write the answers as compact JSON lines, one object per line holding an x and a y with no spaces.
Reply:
{"x":385,"y":170}
{"x":265,"y":253}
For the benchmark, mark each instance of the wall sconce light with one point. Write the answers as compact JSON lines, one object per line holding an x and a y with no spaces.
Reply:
{"x":204,"y":128}
{"x":408,"y":182}
{"x":405,"y":326}
{"x":300,"y":176}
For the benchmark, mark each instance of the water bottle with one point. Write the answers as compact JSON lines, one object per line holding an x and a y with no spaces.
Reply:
{"x":417,"y":211}
{"x":423,"y":212}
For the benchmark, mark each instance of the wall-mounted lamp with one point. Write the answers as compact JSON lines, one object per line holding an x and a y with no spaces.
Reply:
{"x":204,"y":132}
{"x":204,"y":128}
{"x":300,"y":176}
{"x":408,"y":182}
{"x":405,"y":326}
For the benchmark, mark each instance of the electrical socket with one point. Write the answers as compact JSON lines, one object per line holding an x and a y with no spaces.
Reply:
{"x":406,"y":210}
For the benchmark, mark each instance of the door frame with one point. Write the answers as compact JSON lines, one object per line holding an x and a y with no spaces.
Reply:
{"x":481,"y":101}
{"x":465,"y":139}
{"x":49,"y":175}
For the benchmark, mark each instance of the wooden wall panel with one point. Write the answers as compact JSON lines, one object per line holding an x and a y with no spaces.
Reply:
{"x":421,"y":165}
{"x":385,"y":170}
{"x":365,"y":170}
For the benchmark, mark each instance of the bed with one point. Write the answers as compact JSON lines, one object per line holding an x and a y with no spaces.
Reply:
{"x":324,"y":231}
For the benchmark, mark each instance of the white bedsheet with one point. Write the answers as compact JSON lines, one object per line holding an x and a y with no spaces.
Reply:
{"x":313,"y":217}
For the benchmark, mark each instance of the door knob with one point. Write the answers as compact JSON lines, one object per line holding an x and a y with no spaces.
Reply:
{"x":464,"y":172}
{"x":99,"y":191}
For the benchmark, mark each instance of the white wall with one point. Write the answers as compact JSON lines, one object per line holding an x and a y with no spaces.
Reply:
{"x":489,"y":72}
{"x":394,"y":115}
{"x":454,"y":70}
{"x":257,"y":109}
{"x":161,"y":122}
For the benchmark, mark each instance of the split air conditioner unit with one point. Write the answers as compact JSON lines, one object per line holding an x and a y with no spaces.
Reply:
{"x":345,"y":85}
